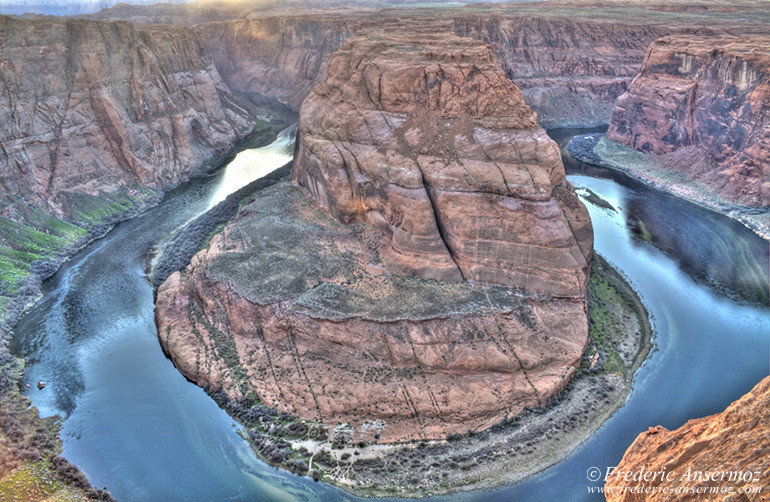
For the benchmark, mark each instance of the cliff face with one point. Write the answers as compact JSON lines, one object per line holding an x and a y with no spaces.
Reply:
{"x":281,"y":56}
{"x":429,"y":141}
{"x":702,"y":102}
{"x":735,"y":442}
{"x":569,"y":71}
{"x":430,"y":169}
{"x":96,"y":107}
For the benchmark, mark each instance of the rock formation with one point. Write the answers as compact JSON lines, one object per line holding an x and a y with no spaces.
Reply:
{"x":280,"y":56}
{"x":735,"y":442}
{"x":702,"y":103}
{"x":569,"y":71}
{"x":98,"y":107}
{"x":426,"y":139}
{"x":430,"y":170}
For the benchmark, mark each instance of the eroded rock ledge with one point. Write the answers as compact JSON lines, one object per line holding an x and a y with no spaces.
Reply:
{"x":441,"y":286}
{"x":735,"y":442}
{"x":423,"y":136}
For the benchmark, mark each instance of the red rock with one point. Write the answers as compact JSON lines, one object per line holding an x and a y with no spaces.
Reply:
{"x":423,"y":136}
{"x":734,"y":441}
{"x":100,"y":107}
{"x":570,"y":71}
{"x":363,"y":315}
{"x":703,"y":101}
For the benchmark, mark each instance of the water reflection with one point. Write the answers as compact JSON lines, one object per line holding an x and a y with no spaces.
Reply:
{"x":133,"y":423}
{"x":713,"y":249}
{"x":253,"y":164}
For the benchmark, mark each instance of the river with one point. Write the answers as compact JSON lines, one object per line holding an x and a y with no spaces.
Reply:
{"x":133,"y":424}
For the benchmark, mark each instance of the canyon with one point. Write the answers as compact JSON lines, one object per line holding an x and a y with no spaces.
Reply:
{"x":700,"y":105}
{"x":726,"y":451}
{"x":570,"y":72}
{"x":97,"y":120}
{"x":424,"y":271}
{"x":395,"y":309}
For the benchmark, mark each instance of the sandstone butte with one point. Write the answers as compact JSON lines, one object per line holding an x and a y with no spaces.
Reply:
{"x":736,"y":440}
{"x":426,"y":273}
{"x":703,"y":104}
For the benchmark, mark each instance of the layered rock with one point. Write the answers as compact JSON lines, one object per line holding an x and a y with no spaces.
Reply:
{"x":721,"y":457}
{"x":293,"y":307}
{"x":280,"y":56}
{"x":97,"y":107}
{"x":570,"y":71}
{"x":430,"y":170}
{"x":702,"y":103}
{"x":425,"y":138}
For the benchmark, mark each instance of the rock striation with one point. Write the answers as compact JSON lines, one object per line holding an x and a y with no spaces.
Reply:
{"x":425,"y":138}
{"x":735,"y":442}
{"x":570,"y":71}
{"x":347,"y":300}
{"x":701,"y":102}
{"x":280,"y":56}
{"x":97,"y":107}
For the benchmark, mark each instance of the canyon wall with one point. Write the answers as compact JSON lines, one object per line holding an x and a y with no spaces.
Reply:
{"x":97,"y":119}
{"x":569,"y":71}
{"x":96,"y":107}
{"x":735,"y":442}
{"x":408,"y":287}
{"x":279,"y":56}
{"x":702,"y":103}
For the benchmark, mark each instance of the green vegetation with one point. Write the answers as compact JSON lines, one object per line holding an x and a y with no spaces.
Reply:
{"x":91,"y":210}
{"x":610,"y":300}
{"x":30,"y":447}
{"x":646,"y":235}
{"x":263,"y":134}
{"x":36,"y":482}
{"x":34,"y":242}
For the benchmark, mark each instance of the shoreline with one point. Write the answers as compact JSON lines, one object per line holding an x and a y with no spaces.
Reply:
{"x":504,"y":454}
{"x":14,"y":312}
{"x":30,"y":462}
{"x":583,"y":148}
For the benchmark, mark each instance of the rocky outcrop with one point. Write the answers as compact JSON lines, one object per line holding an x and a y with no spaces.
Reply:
{"x":279,"y":56}
{"x":97,"y":119}
{"x":95,"y":107}
{"x":293,"y":307}
{"x":570,"y":71}
{"x":425,"y":138}
{"x":430,"y":170}
{"x":721,"y":457}
{"x":702,"y":104}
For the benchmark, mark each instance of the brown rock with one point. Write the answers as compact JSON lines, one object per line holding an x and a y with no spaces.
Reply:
{"x":99,"y":107}
{"x":294,"y":307}
{"x":734,"y":441}
{"x":570,"y":71}
{"x":423,"y":136}
{"x":702,"y":102}
{"x":433,"y":171}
